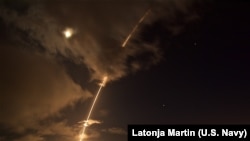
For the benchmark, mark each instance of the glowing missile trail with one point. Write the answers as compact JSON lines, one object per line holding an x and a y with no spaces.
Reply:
{"x":85,"y":124}
{"x":134,"y":29}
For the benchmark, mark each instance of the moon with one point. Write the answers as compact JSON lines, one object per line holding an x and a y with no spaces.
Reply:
{"x":68,"y":32}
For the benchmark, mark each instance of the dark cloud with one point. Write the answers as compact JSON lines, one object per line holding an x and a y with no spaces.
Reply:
{"x":30,"y":138}
{"x":34,"y":83}
{"x":101,"y":27}
{"x":116,"y":130}
{"x":33,"y":88}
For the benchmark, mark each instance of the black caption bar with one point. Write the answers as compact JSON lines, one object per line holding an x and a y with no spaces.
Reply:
{"x":193,"y":132}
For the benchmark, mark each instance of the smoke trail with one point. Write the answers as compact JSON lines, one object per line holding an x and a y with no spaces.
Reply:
{"x":135,"y":27}
{"x":85,"y":124}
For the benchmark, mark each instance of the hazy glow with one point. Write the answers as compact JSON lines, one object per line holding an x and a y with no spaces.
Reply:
{"x":85,"y":124}
{"x":68,"y":32}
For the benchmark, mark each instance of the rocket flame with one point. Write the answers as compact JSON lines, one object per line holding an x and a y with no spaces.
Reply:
{"x":85,"y":124}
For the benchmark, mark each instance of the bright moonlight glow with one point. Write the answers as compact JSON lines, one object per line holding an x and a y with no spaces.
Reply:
{"x":68,"y":32}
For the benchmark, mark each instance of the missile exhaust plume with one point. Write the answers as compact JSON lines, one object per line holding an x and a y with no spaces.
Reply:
{"x":135,"y":27}
{"x":85,"y":124}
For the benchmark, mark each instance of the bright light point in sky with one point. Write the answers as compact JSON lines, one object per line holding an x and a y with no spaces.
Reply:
{"x":68,"y":32}
{"x":85,"y":124}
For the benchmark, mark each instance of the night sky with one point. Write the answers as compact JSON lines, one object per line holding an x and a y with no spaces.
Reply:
{"x":187,"y":63}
